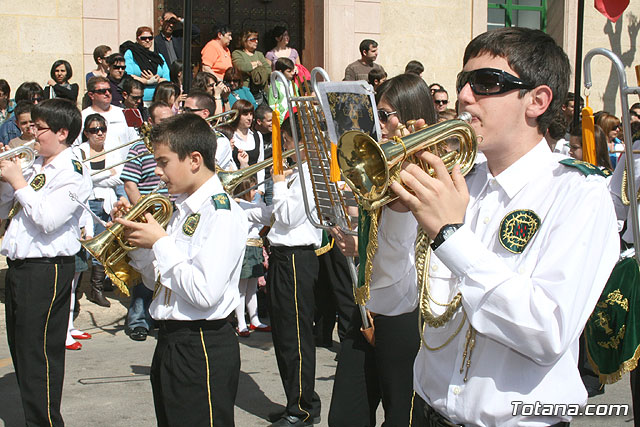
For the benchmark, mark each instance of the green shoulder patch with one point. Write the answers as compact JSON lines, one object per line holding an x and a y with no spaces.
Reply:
{"x":190,"y":224}
{"x":584,"y":167}
{"x":221,"y":201}
{"x":38,"y":181}
{"x":517,"y":228}
{"x":77,"y":166}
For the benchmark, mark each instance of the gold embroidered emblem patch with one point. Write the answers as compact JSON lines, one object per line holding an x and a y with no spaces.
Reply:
{"x":77,"y":166}
{"x":38,"y":181}
{"x":190,"y":224}
{"x":517,"y":228}
{"x":221,"y":201}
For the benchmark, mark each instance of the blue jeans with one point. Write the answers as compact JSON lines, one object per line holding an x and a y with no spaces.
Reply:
{"x":138,"y":313}
{"x":96,"y":207}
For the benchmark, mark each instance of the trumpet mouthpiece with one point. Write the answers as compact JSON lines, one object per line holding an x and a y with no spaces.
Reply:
{"x":465,"y":117}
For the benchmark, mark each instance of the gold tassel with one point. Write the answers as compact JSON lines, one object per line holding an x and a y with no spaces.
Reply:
{"x":334,"y":169}
{"x":588,"y":138}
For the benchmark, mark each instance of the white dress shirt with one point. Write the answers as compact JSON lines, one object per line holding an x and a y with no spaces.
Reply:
{"x":104,"y":183}
{"x":291,"y":227}
{"x":224,"y":158}
{"x":199,"y":274}
{"x":528,"y":308}
{"x":393,"y":291}
{"x":47,"y":224}
{"x":256,"y":223}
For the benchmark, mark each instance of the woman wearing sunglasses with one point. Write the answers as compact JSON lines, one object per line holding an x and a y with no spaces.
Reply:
{"x":143,"y":64}
{"x":104,"y":184}
{"x":58,"y":86}
{"x":369,"y":374}
{"x":610,"y":124}
{"x":253,"y":64}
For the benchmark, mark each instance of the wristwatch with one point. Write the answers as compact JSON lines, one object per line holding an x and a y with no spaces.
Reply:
{"x":445,"y":232}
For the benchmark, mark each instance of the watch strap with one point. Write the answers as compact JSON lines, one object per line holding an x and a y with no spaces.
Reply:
{"x":446,"y":231}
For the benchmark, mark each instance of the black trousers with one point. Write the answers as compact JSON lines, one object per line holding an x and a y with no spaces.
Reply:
{"x":37,"y":314}
{"x":334,"y":295}
{"x":367,"y":375}
{"x":292,"y":276}
{"x":194,"y":373}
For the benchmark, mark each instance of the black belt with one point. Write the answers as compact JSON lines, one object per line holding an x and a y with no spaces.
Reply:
{"x":192,"y":325}
{"x":435,"y":419}
{"x":292,"y":248}
{"x":53,"y":260}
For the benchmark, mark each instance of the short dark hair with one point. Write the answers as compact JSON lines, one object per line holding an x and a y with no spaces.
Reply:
{"x":130,"y":83}
{"x":27,"y":90}
{"x":376,"y":74}
{"x":284,"y":64}
{"x":571,"y":97}
{"x":262,"y":110}
{"x":219,"y":28}
{"x":633,"y":107}
{"x":414,"y":67}
{"x":441,"y":90}
{"x":67,"y":67}
{"x":100,"y":52}
{"x":534,"y":55}
{"x":4,"y":87}
{"x":22,"y":107}
{"x":366,"y":45}
{"x":115,"y":57}
{"x":204,"y":100}
{"x":185,"y":134}
{"x":558,"y":126}
{"x":155,"y":105}
{"x":59,"y":113}
{"x":93,"y":81}
{"x":435,"y":84}
{"x":409,"y":95}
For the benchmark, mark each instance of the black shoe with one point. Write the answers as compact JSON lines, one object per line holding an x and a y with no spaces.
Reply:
{"x":138,"y":334}
{"x":291,"y":421}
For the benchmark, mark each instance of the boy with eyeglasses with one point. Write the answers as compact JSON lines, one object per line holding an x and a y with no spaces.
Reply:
{"x":40,"y":244}
{"x":512,"y":276}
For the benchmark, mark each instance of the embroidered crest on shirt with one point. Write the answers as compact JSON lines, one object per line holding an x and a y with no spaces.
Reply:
{"x":221,"y":201}
{"x":77,"y":166}
{"x":517,"y":228}
{"x":190,"y":224}
{"x":38,"y":181}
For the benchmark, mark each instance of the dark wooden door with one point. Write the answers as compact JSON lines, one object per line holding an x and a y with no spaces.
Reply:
{"x":240,"y":15}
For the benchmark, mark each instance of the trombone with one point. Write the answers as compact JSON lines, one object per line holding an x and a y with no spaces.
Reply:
{"x":221,"y":119}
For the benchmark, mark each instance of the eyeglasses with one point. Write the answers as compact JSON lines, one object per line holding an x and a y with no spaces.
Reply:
{"x":36,"y":99}
{"x":95,"y":130}
{"x":618,"y":127}
{"x":146,"y":38}
{"x":41,"y":129}
{"x":441,"y":101}
{"x":118,"y":67}
{"x":102,"y":91}
{"x":191,"y":110}
{"x":634,"y":114}
{"x":490,"y":81}
{"x":136,"y":98}
{"x":252,"y":39}
{"x":384,"y":115}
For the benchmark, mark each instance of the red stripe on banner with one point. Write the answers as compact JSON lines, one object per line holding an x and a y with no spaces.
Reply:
{"x":611,"y":9}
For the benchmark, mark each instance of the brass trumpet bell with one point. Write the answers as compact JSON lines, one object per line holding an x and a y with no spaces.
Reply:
{"x":369,"y":168}
{"x":110,"y":247}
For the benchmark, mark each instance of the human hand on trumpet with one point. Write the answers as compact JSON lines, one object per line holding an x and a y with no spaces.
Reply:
{"x":139,"y":234}
{"x":11,"y":170}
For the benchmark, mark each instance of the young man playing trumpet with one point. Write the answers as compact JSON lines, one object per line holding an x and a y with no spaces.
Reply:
{"x":40,"y":245}
{"x":196,"y":365}
{"x":520,"y":251}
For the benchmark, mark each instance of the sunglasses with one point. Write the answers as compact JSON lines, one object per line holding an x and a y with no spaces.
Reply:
{"x":191,"y":110}
{"x":490,"y":81}
{"x":146,"y":38}
{"x":252,"y":39}
{"x":95,"y":130}
{"x":440,"y":101}
{"x":36,"y":99}
{"x":384,"y":115}
{"x":119,"y":67}
{"x":136,"y":98}
{"x":102,"y":91}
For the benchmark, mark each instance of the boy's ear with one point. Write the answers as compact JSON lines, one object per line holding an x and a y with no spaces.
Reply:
{"x":62,"y":135}
{"x":196,"y":160}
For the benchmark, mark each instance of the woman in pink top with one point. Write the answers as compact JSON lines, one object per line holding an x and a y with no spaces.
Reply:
{"x":281,"y":50}
{"x":216,"y":57}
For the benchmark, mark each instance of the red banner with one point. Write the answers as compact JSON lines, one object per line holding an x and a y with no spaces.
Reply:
{"x":611,"y":9}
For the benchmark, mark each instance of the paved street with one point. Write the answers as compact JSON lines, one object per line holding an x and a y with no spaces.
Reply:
{"x":107,"y":382}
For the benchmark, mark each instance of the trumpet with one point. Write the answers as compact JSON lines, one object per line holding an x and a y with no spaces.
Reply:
{"x":222,"y":119}
{"x":25,"y":153}
{"x":231,"y":179}
{"x":110,"y":248}
{"x":369,"y":167}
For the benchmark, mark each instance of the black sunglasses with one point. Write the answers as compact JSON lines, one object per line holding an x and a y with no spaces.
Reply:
{"x":441,"y":101}
{"x":146,"y":38}
{"x":102,"y":91}
{"x":191,"y":110}
{"x":95,"y":130}
{"x":384,"y":115}
{"x":119,"y":67}
{"x":490,"y":81}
